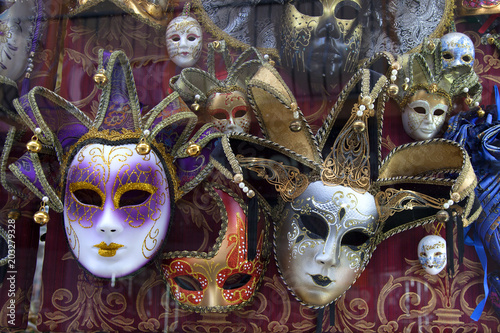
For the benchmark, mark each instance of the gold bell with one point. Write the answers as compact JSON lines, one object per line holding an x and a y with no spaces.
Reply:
{"x":359,"y":126}
{"x":442,"y":216}
{"x":195,"y":106}
{"x":431,"y":45}
{"x":295,"y":126}
{"x":193,"y":150}
{"x":491,"y":40}
{"x":143,"y":148}
{"x":34,"y":145}
{"x":100,"y":78}
{"x":41,"y":217}
{"x":480,"y":113}
{"x":468,"y":100}
{"x":13,"y":214}
{"x":393,"y":90}
{"x":216,"y":44}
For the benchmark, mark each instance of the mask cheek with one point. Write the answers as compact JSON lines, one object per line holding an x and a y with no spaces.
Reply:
{"x":188,"y":287}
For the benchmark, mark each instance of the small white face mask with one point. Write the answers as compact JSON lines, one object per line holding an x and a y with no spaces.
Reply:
{"x":184,"y":41}
{"x":432,"y":254}
{"x":424,"y":115}
{"x":457,"y":49}
{"x":230,"y":112}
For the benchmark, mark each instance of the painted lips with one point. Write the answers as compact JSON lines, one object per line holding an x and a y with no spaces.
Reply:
{"x":321,"y":280}
{"x":107,"y":250}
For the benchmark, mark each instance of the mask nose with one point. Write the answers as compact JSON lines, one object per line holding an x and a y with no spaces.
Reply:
{"x":327,"y":27}
{"x":328,"y":255}
{"x":109,"y":224}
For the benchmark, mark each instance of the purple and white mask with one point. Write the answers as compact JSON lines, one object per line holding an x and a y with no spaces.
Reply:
{"x":116,"y":208}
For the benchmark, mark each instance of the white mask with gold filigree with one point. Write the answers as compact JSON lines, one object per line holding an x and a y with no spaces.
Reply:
{"x":116,"y":208}
{"x":324,"y":241}
{"x":184,"y":41}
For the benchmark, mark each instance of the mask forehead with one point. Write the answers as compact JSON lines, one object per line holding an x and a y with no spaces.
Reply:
{"x":117,"y":208}
{"x":324,"y":240}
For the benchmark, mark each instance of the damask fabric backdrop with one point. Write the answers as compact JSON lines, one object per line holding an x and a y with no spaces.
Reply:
{"x":391,"y":295}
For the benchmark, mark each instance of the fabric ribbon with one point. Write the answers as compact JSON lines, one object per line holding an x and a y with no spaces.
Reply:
{"x":475,"y":241}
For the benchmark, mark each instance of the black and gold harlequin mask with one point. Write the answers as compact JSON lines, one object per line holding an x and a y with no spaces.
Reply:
{"x":320,"y":39}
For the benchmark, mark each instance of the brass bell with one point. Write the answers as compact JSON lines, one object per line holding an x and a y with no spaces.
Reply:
{"x":442,"y":216}
{"x":431,"y":45}
{"x":359,"y":126}
{"x":195,"y":106}
{"x":34,"y":145}
{"x":13,"y":214}
{"x":366,"y":100}
{"x":433,"y":88}
{"x":100,"y":78}
{"x":480,"y":113}
{"x":295,"y":126}
{"x":41,"y":217}
{"x":143,"y":148}
{"x":468,"y":100}
{"x":491,"y":40}
{"x":271,"y":62}
{"x":193,"y":150}
{"x":393,"y":90}
{"x":216,"y":44}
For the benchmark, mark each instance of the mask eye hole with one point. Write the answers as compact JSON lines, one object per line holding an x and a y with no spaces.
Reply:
{"x":240,"y":113}
{"x":466,"y":58}
{"x":187,"y":282}
{"x":354,"y":239}
{"x":447,"y":55}
{"x":423,"y":254}
{"x":175,"y":38}
{"x":88,"y":197}
{"x":236,"y":281}
{"x":133,"y":198}
{"x":220,"y":115}
{"x":347,"y":10}
{"x":419,"y":110}
{"x":438,"y":112}
{"x":317,"y":228}
{"x":309,"y":7}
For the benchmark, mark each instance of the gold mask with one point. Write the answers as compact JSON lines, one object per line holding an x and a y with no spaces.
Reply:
{"x":321,"y":38}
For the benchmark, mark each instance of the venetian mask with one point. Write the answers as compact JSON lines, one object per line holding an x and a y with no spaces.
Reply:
{"x":230,"y":112}
{"x":16,"y":33}
{"x":324,"y":241}
{"x":116,"y":208}
{"x":227,"y":280}
{"x":457,"y":49}
{"x":321,"y":39}
{"x":424,"y":115}
{"x":432,"y":254}
{"x":184,"y":41}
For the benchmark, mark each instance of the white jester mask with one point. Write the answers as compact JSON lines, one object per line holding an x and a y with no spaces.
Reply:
{"x":116,"y":208}
{"x":229,"y":111}
{"x":457,"y":49}
{"x":17,"y":25}
{"x":184,"y":41}
{"x":432,"y":254}
{"x":424,"y":115}
{"x":324,"y":241}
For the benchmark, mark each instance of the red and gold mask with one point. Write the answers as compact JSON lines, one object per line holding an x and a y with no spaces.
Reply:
{"x":226,"y":281}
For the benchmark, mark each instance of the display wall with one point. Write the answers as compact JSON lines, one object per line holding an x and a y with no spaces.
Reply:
{"x":226,"y":168}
